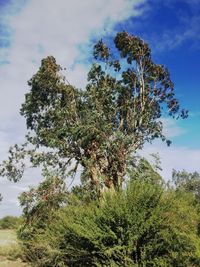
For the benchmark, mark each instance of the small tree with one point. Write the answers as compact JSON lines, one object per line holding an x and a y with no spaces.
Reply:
{"x":39,"y":207}
{"x":101,"y":126}
{"x":189,"y":182}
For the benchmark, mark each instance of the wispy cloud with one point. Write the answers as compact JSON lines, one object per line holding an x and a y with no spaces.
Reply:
{"x":174,"y":157}
{"x":171,"y":128}
{"x":185,"y":14}
{"x":190,"y":30}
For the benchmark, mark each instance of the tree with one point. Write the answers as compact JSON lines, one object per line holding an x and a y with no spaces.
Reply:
{"x":101,"y":126}
{"x":39,"y":207}
{"x":187,"y":181}
{"x":39,"y":203}
{"x":140,"y":169}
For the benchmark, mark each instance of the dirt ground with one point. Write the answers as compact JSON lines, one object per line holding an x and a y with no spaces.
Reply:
{"x":7,"y":263}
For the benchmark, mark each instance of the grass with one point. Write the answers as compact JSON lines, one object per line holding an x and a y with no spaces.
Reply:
{"x":10,"y":251}
{"x":7,"y":237}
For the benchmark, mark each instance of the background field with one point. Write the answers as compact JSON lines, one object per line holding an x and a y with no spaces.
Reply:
{"x":9,"y":250}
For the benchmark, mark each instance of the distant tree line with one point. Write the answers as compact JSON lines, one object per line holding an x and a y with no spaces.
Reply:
{"x":10,"y":222}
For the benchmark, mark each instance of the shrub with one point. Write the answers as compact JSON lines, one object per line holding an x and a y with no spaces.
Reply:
{"x":10,"y":222}
{"x":143,"y":225}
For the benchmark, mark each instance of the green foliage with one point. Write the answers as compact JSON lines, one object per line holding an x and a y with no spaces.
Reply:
{"x":141,"y":225}
{"x":39,"y":204}
{"x":100,"y":126}
{"x":189,"y":182}
{"x":140,"y":169}
{"x":49,"y":195}
{"x":10,"y":222}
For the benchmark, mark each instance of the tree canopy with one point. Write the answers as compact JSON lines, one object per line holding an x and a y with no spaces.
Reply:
{"x":98,"y":127}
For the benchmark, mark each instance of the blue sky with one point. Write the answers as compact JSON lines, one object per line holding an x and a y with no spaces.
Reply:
{"x":33,"y":29}
{"x":172,"y":28}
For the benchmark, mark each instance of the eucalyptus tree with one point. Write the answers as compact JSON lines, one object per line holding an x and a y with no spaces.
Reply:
{"x":98,"y":127}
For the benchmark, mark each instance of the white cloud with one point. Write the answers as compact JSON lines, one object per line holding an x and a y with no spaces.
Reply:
{"x":46,"y":27}
{"x":171,"y":129}
{"x":174,"y":157}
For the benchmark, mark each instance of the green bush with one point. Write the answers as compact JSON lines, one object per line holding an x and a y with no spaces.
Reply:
{"x":10,"y":222}
{"x":143,"y":225}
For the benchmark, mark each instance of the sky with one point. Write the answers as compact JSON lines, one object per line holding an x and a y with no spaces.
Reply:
{"x":67,"y":29}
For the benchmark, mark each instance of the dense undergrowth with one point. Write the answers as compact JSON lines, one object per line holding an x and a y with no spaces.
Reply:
{"x":145,"y":224}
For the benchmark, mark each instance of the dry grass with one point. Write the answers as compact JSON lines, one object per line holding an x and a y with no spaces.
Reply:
{"x":4,"y":262}
{"x":10,"y":251}
{"x":7,"y":237}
